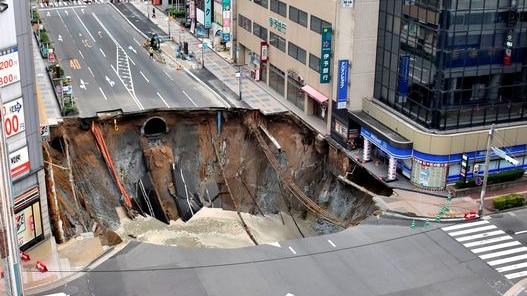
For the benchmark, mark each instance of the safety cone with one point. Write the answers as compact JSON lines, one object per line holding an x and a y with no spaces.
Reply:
{"x":427,"y":223}
{"x":413,"y":224}
{"x":438,"y":218}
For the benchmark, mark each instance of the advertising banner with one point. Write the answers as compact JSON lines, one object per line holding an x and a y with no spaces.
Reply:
{"x":342,"y":87}
{"x":9,"y":69}
{"x":325,"y":55}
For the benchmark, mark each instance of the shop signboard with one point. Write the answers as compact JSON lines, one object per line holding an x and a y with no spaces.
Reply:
{"x":9,"y":69}
{"x":207,"y":14}
{"x":19,"y":163}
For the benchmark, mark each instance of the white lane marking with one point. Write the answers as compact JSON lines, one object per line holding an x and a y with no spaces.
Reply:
{"x":89,"y":69}
{"x":331,"y":243}
{"x":81,"y":54}
{"x":478,"y":229}
{"x":488,"y":241}
{"x":507,"y":260}
{"x":496,"y":247}
{"x":512,"y":267}
{"x":82,"y":23}
{"x":189,"y":98}
{"x":276,"y":244}
{"x":141,"y":72}
{"x":132,"y":49}
{"x":520,"y":232}
{"x":168,"y":75}
{"x":111,"y":82}
{"x":102,"y":52}
{"x":481,"y":235}
{"x":503,"y":253}
{"x":105,"y":98}
{"x":113,"y":68}
{"x":131,"y":60}
{"x":162,"y":99}
{"x":292,"y":250}
{"x":516,"y":275}
{"x":137,"y":42}
{"x":464,"y":225}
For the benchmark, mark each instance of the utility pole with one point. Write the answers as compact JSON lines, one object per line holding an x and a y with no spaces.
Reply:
{"x":485,"y":171}
{"x":239,"y":75}
{"x":9,"y":251}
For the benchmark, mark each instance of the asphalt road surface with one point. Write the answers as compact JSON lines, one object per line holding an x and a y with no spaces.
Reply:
{"x":379,"y":257}
{"x":110,"y":68}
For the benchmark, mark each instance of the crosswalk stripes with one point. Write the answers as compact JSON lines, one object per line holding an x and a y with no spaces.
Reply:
{"x":498,"y":249}
{"x":59,"y":3}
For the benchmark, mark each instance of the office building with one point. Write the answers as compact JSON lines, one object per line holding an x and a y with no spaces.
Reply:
{"x":445,"y":71}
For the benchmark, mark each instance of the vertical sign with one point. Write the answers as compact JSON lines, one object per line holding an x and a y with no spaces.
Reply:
{"x":342,"y":88}
{"x":325,"y":55}
{"x":464,"y":167}
{"x":404,"y":72}
{"x":13,"y":117}
{"x":264,"y":52}
{"x":226,"y":7}
{"x":208,"y":14}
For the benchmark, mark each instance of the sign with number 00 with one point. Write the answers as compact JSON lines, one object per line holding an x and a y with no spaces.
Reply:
{"x":13,"y":117}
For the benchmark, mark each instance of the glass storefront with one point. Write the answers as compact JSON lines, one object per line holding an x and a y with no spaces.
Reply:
{"x":276,"y":79}
{"x":28,"y":219}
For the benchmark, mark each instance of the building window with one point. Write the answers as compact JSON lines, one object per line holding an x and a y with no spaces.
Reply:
{"x":276,"y":79}
{"x":279,"y":7}
{"x":263,"y":3}
{"x":298,"y":16}
{"x":245,"y":23}
{"x":296,"y":52}
{"x":277,"y":41}
{"x":317,"y":24}
{"x":314,"y":63}
{"x":260,"y":31}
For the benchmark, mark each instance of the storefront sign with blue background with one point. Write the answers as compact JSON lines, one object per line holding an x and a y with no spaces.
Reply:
{"x":325,"y":55}
{"x":342,"y":89}
{"x":400,"y":153}
{"x":208,"y":14}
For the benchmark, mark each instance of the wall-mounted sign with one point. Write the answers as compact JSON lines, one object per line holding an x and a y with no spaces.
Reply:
{"x":208,"y":14}
{"x":13,"y":117}
{"x":7,"y":19}
{"x":226,"y":7}
{"x":9,"y":69}
{"x":342,"y":87}
{"x":19,"y":163}
{"x":347,"y":3}
{"x":325,"y":55}
{"x":295,"y":76}
{"x":404,"y":73}
{"x":277,"y":24}
{"x":264,"y":53}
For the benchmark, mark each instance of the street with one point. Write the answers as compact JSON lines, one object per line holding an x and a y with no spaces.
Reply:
{"x":110,"y":68}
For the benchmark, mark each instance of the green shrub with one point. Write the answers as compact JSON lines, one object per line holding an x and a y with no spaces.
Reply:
{"x":505,"y":176}
{"x":36,"y":15}
{"x":508,"y":201}
{"x":44,"y":38}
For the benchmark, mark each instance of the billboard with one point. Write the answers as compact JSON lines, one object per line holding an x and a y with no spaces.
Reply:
{"x":207,"y":23}
{"x":13,"y":117}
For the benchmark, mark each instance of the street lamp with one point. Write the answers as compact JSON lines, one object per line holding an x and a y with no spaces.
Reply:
{"x":486,"y":171}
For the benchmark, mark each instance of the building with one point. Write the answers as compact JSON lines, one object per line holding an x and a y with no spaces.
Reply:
{"x":20,"y":134}
{"x":445,"y":71}
{"x":305,"y":50}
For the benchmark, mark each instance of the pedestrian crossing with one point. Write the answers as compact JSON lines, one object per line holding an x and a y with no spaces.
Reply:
{"x":59,"y":3}
{"x":498,"y":249}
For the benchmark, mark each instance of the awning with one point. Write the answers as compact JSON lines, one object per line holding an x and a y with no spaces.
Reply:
{"x":315,"y":94}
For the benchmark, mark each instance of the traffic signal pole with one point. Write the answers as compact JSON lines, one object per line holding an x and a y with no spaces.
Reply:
{"x":485,"y":171}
